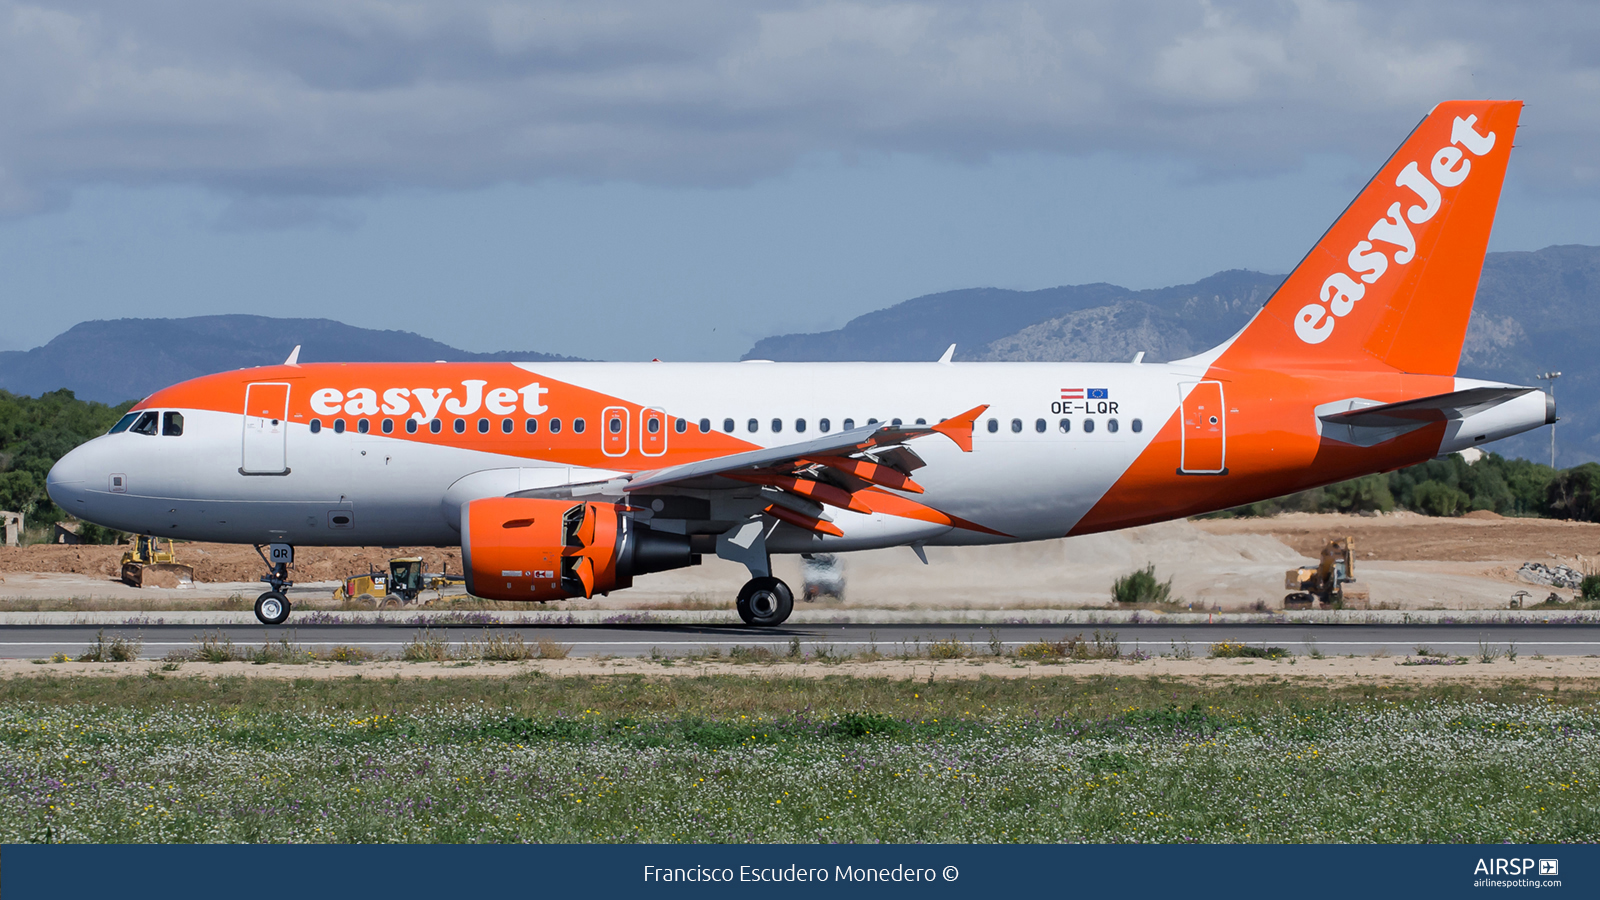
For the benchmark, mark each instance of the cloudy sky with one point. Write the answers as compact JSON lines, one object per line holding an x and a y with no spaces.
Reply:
{"x":629,"y":180}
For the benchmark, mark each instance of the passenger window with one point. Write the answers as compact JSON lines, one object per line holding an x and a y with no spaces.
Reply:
{"x":1016,"y":426}
{"x":363,"y":426}
{"x":800,"y":426}
{"x":459,"y":425}
{"x":435,"y":426}
{"x":680,"y":426}
{"x":705,"y":426}
{"x":388,"y":426}
{"x":483,"y":426}
{"x":652,"y":425}
{"x":411,"y":426}
{"x":922,"y":421}
{"x":872,"y":421}
{"x":1111,"y":425}
{"x":316,"y":426}
{"x":727,"y":425}
{"x":123,"y":423}
{"x":172,"y":424}
{"x":849,"y":424}
{"x":1065,"y":426}
{"x":1138,"y":425}
{"x":1038,"y":425}
{"x":777,"y":425}
{"x":338,"y":426}
{"x":577,"y":426}
{"x":531,"y":426}
{"x":994,"y":425}
{"x":823,"y":425}
{"x":1088,"y":426}
{"x":895,"y":422}
{"x":555,"y":426}
{"x":507,"y":426}
{"x":752,"y":426}
{"x":145,"y":424}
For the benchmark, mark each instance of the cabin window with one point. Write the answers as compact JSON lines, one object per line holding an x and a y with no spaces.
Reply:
{"x":752,"y":426}
{"x":1111,"y":425}
{"x":680,"y":426}
{"x":1038,"y":425}
{"x":435,"y":426}
{"x":823,"y":425}
{"x":338,"y":426}
{"x":895,"y":422}
{"x":507,"y":426}
{"x":363,"y":426}
{"x":172,"y":423}
{"x":531,"y":426}
{"x":459,"y":425}
{"x":922,"y":421}
{"x":145,"y":424}
{"x":1088,"y":425}
{"x":555,"y":426}
{"x":411,"y":426}
{"x":777,"y":425}
{"x":578,"y":426}
{"x":1065,"y":426}
{"x":994,"y":425}
{"x":316,"y":426}
{"x":388,"y":426}
{"x":727,"y":425}
{"x":652,"y":425}
{"x":800,"y":426}
{"x":483,"y":426}
{"x":872,"y":421}
{"x":705,"y":426}
{"x":1137,"y":425}
{"x":123,"y":423}
{"x":849,"y":424}
{"x":1016,"y":426}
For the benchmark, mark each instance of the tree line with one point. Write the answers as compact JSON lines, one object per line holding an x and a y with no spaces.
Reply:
{"x":34,"y":433}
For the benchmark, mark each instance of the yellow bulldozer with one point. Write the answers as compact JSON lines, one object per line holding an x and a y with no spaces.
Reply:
{"x":401,"y":584}
{"x":152,"y":563}
{"x":1331,"y":584}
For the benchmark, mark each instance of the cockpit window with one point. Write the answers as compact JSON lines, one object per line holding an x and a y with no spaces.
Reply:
{"x":172,"y":423}
{"x":123,"y":423}
{"x":145,"y":424}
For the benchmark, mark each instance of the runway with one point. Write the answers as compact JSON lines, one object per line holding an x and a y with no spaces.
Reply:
{"x":43,"y":641}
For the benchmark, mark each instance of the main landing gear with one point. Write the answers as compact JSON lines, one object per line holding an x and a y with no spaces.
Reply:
{"x":765,"y":601}
{"x":272,"y":607}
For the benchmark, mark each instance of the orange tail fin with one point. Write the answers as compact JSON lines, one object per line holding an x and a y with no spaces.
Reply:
{"x":1391,"y":283}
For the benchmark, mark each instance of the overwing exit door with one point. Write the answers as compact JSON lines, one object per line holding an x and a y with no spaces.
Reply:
{"x":1205,"y":429}
{"x":266,"y":427}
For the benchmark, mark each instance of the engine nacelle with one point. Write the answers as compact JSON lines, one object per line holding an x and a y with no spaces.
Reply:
{"x":524,"y":549}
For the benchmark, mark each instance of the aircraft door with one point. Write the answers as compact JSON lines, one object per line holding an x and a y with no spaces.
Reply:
{"x":266,"y":427}
{"x":652,"y":432}
{"x":614,"y":431}
{"x":1205,"y":429}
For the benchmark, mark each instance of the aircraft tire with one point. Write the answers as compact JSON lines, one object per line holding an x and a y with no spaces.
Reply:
{"x":272,"y":608}
{"x":765,"y":602}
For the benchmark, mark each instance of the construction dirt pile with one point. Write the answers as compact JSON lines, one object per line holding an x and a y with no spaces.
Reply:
{"x":223,"y":562}
{"x":1476,"y":537}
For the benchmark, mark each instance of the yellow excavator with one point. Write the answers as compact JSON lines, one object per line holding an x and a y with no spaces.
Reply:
{"x":401,"y":584}
{"x":1330,"y":584}
{"x":152,"y":563}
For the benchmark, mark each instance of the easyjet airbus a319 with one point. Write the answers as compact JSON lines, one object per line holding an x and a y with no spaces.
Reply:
{"x":562,"y":480}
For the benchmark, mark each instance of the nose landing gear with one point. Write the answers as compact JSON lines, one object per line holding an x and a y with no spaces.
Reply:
{"x":765,"y":601}
{"x":272,"y":607}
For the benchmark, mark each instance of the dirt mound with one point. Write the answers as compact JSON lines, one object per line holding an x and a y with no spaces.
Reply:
{"x":224,"y":562}
{"x":1477,"y":537}
{"x":1483,"y":514}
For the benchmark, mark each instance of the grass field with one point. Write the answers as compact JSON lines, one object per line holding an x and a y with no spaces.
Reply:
{"x":745,"y":759}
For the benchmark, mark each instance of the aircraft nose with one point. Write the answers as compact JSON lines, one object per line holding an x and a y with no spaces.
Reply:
{"x":68,"y":479}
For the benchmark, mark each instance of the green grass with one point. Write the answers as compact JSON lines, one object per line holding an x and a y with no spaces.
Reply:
{"x":743,"y":759}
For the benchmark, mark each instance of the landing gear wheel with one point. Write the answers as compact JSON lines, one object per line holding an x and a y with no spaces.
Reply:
{"x":272,"y":608}
{"x":765,"y":602}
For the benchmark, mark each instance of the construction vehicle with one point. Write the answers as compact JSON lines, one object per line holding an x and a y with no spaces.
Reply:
{"x":404,"y":581}
{"x":824,"y":576}
{"x":1331,"y":584}
{"x":152,"y":563}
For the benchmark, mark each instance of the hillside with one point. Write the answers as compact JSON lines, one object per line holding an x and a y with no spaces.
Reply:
{"x":1534,"y":311}
{"x":126,"y":359}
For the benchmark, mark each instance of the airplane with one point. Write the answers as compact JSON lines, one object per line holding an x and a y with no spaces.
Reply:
{"x":564,"y":480}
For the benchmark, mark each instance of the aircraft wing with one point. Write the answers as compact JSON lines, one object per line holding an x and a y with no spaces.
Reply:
{"x":1454,"y":405}
{"x":845,"y":445}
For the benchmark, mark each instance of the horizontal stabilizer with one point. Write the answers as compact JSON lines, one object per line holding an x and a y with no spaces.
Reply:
{"x":1440,"y":407}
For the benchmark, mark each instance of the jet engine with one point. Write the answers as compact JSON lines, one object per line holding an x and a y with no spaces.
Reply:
{"x":516,"y":548}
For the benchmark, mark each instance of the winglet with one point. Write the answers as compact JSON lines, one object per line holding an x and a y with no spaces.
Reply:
{"x":959,"y":429}
{"x":949,"y":355}
{"x":294,"y":357}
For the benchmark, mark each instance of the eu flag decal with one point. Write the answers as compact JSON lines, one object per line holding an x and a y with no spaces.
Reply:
{"x":1099,"y":394}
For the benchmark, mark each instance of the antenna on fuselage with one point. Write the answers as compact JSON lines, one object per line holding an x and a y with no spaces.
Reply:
{"x":949,"y":354}
{"x":294,"y":357}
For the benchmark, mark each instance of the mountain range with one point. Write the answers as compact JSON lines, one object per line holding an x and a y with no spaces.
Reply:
{"x":1535,"y":311}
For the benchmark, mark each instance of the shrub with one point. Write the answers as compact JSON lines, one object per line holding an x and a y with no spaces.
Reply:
{"x":118,"y":649}
{"x":215,"y":648}
{"x":1436,"y":498}
{"x":950,"y":648}
{"x":1589,"y":588}
{"x":347,"y":654}
{"x":426,"y":646}
{"x":1241,"y":650}
{"x":550,"y":649}
{"x":1141,"y":586}
{"x":1104,"y":646}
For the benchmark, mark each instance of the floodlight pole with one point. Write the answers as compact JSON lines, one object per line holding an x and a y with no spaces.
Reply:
{"x":1551,"y":377}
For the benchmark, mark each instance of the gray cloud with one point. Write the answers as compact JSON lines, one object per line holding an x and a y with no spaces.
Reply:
{"x":274,"y":98}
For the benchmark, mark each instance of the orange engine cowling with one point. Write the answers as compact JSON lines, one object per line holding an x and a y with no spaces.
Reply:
{"x":517,"y":548}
